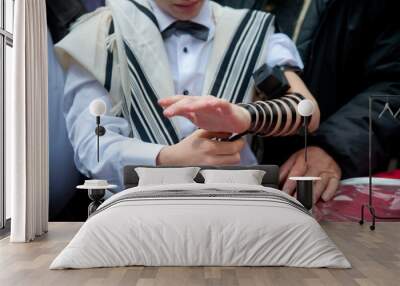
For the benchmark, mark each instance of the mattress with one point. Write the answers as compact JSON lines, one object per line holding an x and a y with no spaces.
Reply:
{"x":201,"y":225}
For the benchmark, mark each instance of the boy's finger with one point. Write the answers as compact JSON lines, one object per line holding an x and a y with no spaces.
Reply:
{"x":228,"y":148}
{"x":165,"y":102}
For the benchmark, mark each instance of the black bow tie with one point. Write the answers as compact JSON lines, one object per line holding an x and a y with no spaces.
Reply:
{"x":196,"y":30}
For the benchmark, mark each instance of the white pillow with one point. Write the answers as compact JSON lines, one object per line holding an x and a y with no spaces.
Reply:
{"x":166,"y":176}
{"x":247,"y":177}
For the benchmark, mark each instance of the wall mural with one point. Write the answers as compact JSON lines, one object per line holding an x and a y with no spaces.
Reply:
{"x":85,"y":55}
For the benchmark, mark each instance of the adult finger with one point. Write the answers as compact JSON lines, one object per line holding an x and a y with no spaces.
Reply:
{"x":298,"y":170}
{"x":331,"y":189}
{"x":286,"y":167}
{"x":320,"y":187}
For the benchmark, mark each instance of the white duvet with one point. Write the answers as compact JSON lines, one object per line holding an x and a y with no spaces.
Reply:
{"x":222,"y":225}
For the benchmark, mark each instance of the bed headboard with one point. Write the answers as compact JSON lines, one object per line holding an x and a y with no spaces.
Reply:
{"x":271,"y":177}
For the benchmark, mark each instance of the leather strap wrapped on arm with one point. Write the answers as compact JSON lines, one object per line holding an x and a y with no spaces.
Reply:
{"x":278,"y":117}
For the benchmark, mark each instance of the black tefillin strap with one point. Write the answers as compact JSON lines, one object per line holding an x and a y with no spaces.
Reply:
{"x":292,"y":110}
{"x":283,"y":114}
{"x":259,"y":112}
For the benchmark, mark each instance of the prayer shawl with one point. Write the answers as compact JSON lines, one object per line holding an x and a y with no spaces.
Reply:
{"x":122,"y":47}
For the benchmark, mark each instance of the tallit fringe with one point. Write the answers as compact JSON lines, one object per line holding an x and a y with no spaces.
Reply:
{"x":112,"y":46}
{"x":123,"y":67}
{"x":116,"y":110}
{"x":111,"y":43}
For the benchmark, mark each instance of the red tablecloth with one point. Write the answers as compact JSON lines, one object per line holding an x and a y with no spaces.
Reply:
{"x":390,"y":175}
{"x":353,"y":193}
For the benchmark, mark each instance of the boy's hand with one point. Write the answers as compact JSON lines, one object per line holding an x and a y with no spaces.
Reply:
{"x":208,"y":113}
{"x":199,"y":149}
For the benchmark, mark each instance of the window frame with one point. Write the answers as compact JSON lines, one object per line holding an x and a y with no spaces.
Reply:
{"x":6,"y":39}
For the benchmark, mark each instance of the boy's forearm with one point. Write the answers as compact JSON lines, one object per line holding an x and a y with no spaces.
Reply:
{"x":298,"y":86}
{"x":280,"y":116}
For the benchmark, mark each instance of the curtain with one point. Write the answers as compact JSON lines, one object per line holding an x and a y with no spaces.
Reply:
{"x":27,"y":124}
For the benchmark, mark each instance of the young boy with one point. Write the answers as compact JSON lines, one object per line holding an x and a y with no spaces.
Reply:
{"x":135,"y":55}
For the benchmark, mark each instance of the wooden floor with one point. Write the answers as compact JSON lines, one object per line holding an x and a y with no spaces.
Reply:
{"x":375,"y":257}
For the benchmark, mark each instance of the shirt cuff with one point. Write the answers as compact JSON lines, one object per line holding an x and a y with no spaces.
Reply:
{"x":134,"y":152}
{"x":283,"y":52}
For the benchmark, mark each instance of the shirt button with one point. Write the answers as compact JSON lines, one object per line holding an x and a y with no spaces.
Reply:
{"x":185,"y":50}
{"x":185,"y":92}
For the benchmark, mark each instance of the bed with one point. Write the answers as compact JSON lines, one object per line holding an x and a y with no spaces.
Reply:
{"x":198,"y":224}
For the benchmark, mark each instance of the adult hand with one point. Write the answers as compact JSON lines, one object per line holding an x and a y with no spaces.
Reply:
{"x":319,"y":164}
{"x":208,"y":113}
{"x":200,"y":149}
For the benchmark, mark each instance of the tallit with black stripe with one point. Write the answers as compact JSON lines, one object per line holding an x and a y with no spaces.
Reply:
{"x":136,"y":71}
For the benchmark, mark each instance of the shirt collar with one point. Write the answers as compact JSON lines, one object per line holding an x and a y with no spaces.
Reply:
{"x":205,"y":17}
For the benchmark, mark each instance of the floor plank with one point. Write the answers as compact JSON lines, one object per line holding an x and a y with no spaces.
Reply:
{"x":375,"y":257}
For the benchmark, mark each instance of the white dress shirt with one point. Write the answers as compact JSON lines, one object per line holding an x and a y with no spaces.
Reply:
{"x":188,"y":57}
